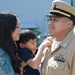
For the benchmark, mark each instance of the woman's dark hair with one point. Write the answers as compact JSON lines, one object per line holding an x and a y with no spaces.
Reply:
{"x":8,"y":22}
{"x":26,"y":36}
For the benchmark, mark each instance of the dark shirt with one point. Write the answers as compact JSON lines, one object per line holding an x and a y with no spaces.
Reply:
{"x":26,"y":54}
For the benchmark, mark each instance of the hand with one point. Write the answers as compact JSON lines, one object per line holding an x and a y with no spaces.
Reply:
{"x":23,"y":64}
{"x":47,"y":42}
{"x":50,"y":39}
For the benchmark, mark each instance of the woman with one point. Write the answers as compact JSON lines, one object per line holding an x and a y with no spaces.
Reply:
{"x":9,"y":33}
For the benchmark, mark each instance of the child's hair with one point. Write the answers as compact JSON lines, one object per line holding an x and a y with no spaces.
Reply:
{"x":25,"y":36}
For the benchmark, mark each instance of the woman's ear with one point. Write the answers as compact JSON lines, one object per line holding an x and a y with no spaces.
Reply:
{"x":22,"y":45}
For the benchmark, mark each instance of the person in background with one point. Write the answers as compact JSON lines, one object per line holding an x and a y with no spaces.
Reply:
{"x":59,"y":58}
{"x":9,"y":33}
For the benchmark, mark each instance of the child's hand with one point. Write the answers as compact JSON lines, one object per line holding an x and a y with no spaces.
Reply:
{"x":46,"y":43}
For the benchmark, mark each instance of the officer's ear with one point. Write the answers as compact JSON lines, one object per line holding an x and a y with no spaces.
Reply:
{"x":70,"y":23}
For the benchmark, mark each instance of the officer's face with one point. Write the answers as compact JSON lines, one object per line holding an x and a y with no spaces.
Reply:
{"x":58,"y":25}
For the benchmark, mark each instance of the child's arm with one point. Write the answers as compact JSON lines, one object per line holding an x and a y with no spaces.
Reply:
{"x":34,"y":62}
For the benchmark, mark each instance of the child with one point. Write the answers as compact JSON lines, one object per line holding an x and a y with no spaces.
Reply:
{"x":26,"y":51}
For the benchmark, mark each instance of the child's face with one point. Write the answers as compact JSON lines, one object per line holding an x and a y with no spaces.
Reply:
{"x":31,"y":44}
